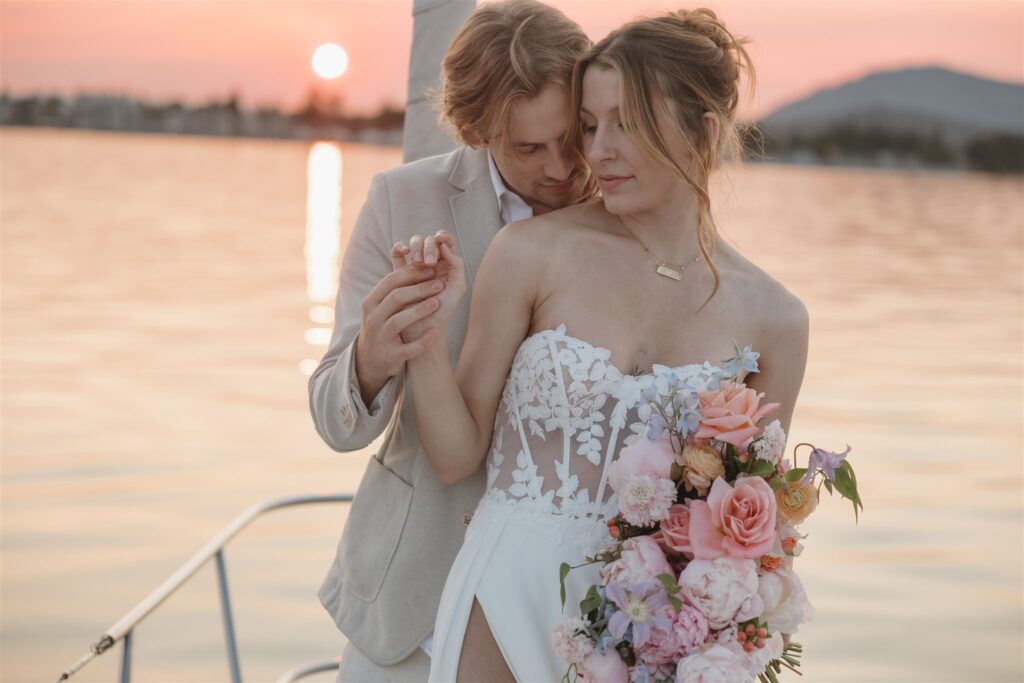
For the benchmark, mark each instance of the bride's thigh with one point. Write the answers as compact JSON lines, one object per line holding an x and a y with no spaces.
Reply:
{"x":481,"y":659}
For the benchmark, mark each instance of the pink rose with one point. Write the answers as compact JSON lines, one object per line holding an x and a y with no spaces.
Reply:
{"x":643,"y":456}
{"x":731,"y":413}
{"x":641,"y":560}
{"x":675,"y":531}
{"x":736,"y":521}
{"x":605,"y":668}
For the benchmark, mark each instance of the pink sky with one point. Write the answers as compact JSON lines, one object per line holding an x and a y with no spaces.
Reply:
{"x":195,"y":50}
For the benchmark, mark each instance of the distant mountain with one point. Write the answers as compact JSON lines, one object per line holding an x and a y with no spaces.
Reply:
{"x":930,"y":117}
{"x":926,"y":99}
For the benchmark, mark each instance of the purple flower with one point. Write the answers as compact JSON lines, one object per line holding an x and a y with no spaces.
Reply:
{"x":826,"y":461}
{"x":643,"y":606}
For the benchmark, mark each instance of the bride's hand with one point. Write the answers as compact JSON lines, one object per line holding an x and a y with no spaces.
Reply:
{"x":439,"y":251}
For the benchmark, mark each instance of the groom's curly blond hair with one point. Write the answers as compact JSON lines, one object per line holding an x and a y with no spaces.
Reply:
{"x":505,"y":52}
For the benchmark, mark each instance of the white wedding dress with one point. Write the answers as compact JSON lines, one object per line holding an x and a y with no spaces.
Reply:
{"x":565,"y":412}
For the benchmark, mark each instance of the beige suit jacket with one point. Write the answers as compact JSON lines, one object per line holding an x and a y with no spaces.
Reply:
{"x":405,"y":527}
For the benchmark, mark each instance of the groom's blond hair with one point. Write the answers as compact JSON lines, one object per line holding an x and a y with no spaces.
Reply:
{"x":505,"y":52}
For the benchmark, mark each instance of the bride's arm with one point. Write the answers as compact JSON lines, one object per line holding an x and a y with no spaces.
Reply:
{"x":783,"y":359}
{"x":455,"y":410}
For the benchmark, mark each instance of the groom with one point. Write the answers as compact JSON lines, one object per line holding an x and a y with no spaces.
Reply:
{"x":405,"y":527}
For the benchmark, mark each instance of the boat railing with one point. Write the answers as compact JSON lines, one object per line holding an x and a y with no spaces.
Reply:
{"x":123,"y":629}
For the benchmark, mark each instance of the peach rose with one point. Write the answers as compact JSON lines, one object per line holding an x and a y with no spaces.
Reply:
{"x":643,"y":456}
{"x":701,"y":466}
{"x":675,"y":531}
{"x":738,"y":521}
{"x":731,"y":413}
{"x":795,"y":506}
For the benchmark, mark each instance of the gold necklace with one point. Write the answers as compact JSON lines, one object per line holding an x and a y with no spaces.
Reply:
{"x":669,"y":270}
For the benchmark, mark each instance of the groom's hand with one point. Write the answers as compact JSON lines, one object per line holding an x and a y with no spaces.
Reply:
{"x":400,"y":299}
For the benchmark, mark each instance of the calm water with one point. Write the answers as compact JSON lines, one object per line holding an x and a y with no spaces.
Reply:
{"x":163,"y":303}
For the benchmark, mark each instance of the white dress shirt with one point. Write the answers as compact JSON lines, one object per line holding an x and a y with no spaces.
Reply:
{"x":511,"y":206}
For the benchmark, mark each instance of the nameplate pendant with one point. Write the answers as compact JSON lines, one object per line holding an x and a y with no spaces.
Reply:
{"x":669,"y":271}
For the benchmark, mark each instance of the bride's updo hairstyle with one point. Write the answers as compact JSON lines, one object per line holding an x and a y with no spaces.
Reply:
{"x":682,"y":65}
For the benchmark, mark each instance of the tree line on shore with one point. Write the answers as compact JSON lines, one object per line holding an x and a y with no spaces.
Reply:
{"x":323,"y":116}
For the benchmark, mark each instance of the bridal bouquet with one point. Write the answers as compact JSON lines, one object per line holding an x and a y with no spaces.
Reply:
{"x":698,"y":584}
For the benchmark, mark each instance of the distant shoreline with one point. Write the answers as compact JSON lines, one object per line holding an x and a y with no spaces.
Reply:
{"x":394,"y":142}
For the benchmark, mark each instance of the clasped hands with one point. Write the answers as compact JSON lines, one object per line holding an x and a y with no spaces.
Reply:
{"x":409,"y":308}
{"x":433,"y":263}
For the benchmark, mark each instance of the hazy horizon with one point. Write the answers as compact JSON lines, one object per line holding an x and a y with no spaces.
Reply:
{"x":195,"y":52}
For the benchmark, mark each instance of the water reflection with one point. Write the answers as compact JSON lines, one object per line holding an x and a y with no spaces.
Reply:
{"x":323,"y":239}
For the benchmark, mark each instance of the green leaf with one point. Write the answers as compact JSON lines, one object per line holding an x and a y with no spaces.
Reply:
{"x":591,"y":602}
{"x":669,"y":582}
{"x":776,"y":483}
{"x":763,"y":468}
{"x":846,"y":484}
{"x":563,"y":571}
{"x":796,"y":474}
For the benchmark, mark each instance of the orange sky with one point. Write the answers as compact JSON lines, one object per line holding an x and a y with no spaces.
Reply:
{"x":198,"y":49}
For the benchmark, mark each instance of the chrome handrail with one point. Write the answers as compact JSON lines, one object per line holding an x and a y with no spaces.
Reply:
{"x":122,"y":629}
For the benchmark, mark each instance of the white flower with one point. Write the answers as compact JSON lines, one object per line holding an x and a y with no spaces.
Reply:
{"x":719,"y":588}
{"x":770,"y":445}
{"x":646,"y":499}
{"x":571,"y":642}
{"x":785,"y":602}
{"x":711,"y":663}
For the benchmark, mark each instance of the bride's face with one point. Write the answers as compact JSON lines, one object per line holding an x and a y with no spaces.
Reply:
{"x":630,"y":180}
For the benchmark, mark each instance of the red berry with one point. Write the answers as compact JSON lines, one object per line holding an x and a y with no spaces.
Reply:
{"x":760,"y":643}
{"x":762,"y":632}
{"x":741,"y":636}
{"x":747,"y":647}
{"x":750,"y":629}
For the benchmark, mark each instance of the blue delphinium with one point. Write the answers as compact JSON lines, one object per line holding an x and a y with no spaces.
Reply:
{"x":745,"y":360}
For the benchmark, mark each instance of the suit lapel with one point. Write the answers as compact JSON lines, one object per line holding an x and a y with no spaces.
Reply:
{"x":474,"y":209}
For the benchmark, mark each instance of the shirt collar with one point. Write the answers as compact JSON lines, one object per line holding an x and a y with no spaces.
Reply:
{"x":511,"y":206}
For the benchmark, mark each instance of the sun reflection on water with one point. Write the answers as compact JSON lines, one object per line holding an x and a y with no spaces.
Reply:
{"x":323,"y":239}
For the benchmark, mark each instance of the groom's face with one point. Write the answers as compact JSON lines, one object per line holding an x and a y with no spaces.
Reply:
{"x":532,"y":158}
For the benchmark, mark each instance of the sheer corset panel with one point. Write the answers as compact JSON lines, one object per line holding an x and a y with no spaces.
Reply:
{"x":565,"y":413}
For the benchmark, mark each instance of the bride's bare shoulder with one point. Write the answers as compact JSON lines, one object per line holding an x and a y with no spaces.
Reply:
{"x":553,"y":230}
{"x":778,"y":312}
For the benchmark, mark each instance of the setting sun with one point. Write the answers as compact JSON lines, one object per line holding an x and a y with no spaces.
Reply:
{"x":330,"y":61}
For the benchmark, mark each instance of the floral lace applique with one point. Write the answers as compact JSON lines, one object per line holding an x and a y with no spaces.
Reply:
{"x":560,"y":385}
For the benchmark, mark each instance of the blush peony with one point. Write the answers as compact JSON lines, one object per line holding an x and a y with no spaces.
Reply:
{"x":719,"y":588}
{"x":711,"y":663}
{"x":641,"y":561}
{"x":785,"y":602}
{"x":643,"y":456}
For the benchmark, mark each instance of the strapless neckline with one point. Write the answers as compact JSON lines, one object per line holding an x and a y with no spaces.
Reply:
{"x":560,"y":333}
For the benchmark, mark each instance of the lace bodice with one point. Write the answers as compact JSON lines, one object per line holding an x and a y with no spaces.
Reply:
{"x":565,"y":413}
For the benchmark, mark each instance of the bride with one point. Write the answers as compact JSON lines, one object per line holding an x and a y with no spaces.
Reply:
{"x":570,"y":311}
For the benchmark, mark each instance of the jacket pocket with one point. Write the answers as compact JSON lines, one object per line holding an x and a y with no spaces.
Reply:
{"x":374,"y":528}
